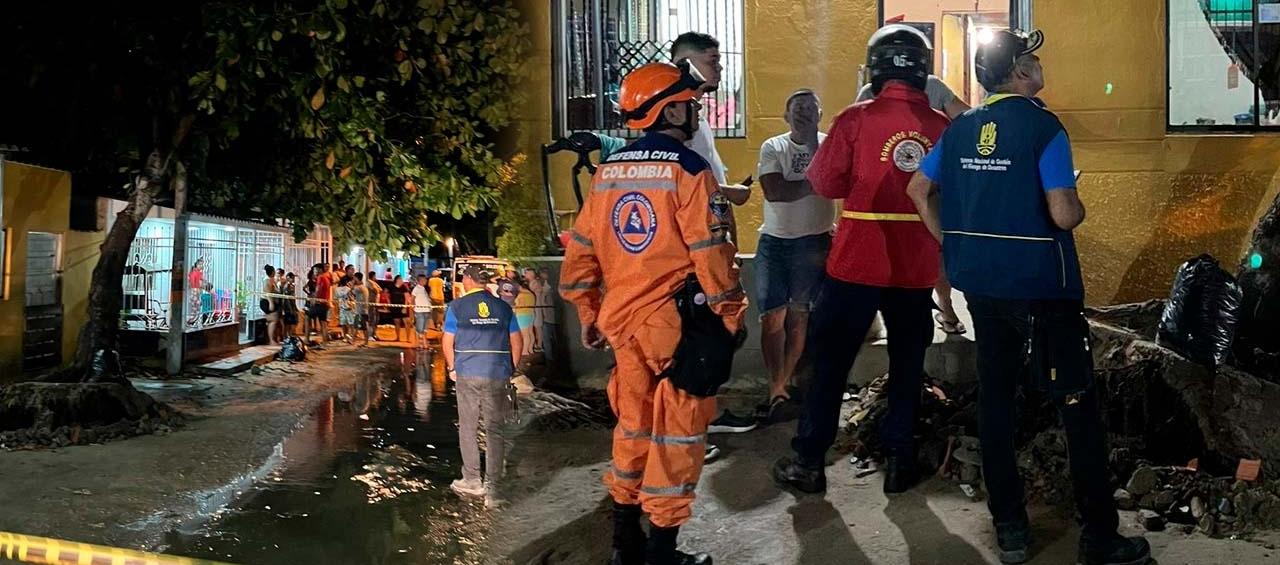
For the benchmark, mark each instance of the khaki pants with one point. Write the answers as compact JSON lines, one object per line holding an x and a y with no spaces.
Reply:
{"x":482,"y":399}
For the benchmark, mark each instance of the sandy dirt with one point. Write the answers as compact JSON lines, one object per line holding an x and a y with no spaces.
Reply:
{"x":559,"y":514}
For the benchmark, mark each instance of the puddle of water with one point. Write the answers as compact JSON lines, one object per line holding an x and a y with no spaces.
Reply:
{"x":364,"y":481}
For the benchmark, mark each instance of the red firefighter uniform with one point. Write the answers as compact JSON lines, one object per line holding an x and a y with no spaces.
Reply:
{"x":880,"y":240}
{"x":654,"y":215}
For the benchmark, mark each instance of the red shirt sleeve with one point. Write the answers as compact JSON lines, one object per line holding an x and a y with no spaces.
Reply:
{"x":832,"y":173}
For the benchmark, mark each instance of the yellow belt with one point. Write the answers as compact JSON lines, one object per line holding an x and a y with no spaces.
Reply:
{"x":880,"y":216}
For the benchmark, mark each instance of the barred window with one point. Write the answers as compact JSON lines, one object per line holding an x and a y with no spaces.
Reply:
{"x":597,"y":42}
{"x":1224,"y":64}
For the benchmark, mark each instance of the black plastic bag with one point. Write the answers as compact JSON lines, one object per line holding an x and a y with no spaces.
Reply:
{"x":293,"y":349}
{"x":1200,"y":319}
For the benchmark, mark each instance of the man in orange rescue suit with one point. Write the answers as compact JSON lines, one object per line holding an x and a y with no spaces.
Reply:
{"x":883,"y":258}
{"x":654,"y":218}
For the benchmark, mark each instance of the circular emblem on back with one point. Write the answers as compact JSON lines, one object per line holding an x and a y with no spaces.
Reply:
{"x":634,"y":222}
{"x":907,"y":155}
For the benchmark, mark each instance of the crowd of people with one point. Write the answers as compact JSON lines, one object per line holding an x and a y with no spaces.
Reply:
{"x":932,"y":194}
{"x":354,"y":305}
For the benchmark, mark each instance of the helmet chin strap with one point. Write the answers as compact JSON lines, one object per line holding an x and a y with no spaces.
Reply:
{"x":688,"y":125}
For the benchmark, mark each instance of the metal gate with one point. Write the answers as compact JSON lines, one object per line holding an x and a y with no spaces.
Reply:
{"x":42,"y":336}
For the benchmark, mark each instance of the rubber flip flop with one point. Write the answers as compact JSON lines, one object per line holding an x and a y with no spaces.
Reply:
{"x":949,"y":327}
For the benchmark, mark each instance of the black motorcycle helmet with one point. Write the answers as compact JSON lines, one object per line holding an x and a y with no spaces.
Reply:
{"x":996,"y":59}
{"x":899,"y":52}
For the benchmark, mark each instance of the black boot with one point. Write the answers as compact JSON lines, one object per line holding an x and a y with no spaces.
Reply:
{"x":787,"y":472}
{"x":662,"y":549}
{"x":1114,"y":550}
{"x":900,"y":474}
{"x":1014,"y":539}
{"x":628,"y":537}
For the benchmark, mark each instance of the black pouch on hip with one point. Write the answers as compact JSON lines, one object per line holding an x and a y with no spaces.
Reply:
{"x":704,"y":356}
{"x":1060,"y":357}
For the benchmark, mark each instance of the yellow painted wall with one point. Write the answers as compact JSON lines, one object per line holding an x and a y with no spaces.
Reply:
{"x":789,"y":45}
{"x":39,"y":199}
{"x":1154,"y":199}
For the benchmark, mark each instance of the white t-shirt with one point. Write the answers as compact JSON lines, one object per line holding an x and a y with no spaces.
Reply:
{"x":421,"y":299}
{"x":938,"y":92}
{"x":810,"y":215}
{"x":704,"y":143}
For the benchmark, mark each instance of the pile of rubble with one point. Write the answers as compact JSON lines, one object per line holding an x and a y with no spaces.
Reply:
{"x":37,"y":415}
{"x":1166,"y":494}
{"x":1193,"y":500}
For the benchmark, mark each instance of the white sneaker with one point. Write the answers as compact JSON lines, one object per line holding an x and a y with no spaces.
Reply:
{"x":493,"y":501}
{"x":465,"y":487}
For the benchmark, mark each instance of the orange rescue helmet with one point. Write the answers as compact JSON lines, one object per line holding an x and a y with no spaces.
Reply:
{"x":647,"y":90}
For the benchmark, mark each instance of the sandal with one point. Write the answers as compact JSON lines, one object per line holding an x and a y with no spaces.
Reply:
{"x":949,"y":327}
{"x":764,"y":412}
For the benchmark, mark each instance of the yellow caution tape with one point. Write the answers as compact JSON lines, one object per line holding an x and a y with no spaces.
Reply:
{"x":35,"y":549}
{"x":374,"y":304}
{"x":880,"y":216}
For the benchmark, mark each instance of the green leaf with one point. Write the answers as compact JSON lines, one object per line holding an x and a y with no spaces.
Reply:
{"x":359,"y":80}
{"x":276,"y":35}
{"x":427,"y":24}
{"x":220,"y":82}
{"x":343,"y":85}
{"x":340,"y":4}
{"x":342,"y":30}
{"x":406,"y":70}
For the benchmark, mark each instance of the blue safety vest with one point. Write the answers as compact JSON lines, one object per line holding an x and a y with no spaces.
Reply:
{"x":999,"y":239}
{"x":482,"y":325}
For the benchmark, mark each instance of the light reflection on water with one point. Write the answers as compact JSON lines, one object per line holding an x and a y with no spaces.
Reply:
{"x":357,"y":491}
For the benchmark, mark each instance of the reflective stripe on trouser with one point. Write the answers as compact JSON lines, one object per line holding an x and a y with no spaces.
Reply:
{"x":660,"y":439}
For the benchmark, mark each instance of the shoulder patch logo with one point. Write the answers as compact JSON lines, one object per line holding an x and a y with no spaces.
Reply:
{"x":987,"y":139}
{"x":483,"y":309}
{"x":634,"y":222}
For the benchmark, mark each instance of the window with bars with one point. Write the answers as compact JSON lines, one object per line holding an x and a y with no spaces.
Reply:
{"x":1224,"y":64}
{"x":599,"y":41}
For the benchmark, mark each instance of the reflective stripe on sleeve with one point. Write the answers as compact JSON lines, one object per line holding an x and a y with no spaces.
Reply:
{"x":679,"y":440}
{"x":726,"y":295}
{"x":714,"y":241}
{"x":580,"y":286}
{"x":582,"y":239}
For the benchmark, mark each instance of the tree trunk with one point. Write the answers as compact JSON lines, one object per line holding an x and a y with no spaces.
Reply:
{"x":100,"y":336}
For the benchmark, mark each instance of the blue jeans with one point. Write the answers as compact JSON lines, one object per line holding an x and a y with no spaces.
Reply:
{"x":789,"y":271}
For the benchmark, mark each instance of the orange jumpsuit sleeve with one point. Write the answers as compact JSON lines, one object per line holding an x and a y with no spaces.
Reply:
{"x":581,"y":279}
{"x":706,"y":234}
{"x":832,"y":174}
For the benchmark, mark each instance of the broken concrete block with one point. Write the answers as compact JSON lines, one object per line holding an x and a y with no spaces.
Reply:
{"x":1124,"y":500}
{"x":1159,"y":500}
{"x":1144,"y":480}
{"x":1151,"y":520}
{"x":1198,"y":508}
{"x":1207,"y":525}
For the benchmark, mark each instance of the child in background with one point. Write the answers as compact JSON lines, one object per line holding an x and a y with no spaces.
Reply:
{"x":346,"y":300}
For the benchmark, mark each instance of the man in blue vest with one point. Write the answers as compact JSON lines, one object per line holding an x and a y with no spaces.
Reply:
{"x":482,"y":345}
{"x":999,"y":191}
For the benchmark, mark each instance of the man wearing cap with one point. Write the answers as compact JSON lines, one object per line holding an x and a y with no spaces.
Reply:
{"x":482,"y":345}
{"x":883,"y":258}
{"x":999,"y":191}
{"x":650,"y":244}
